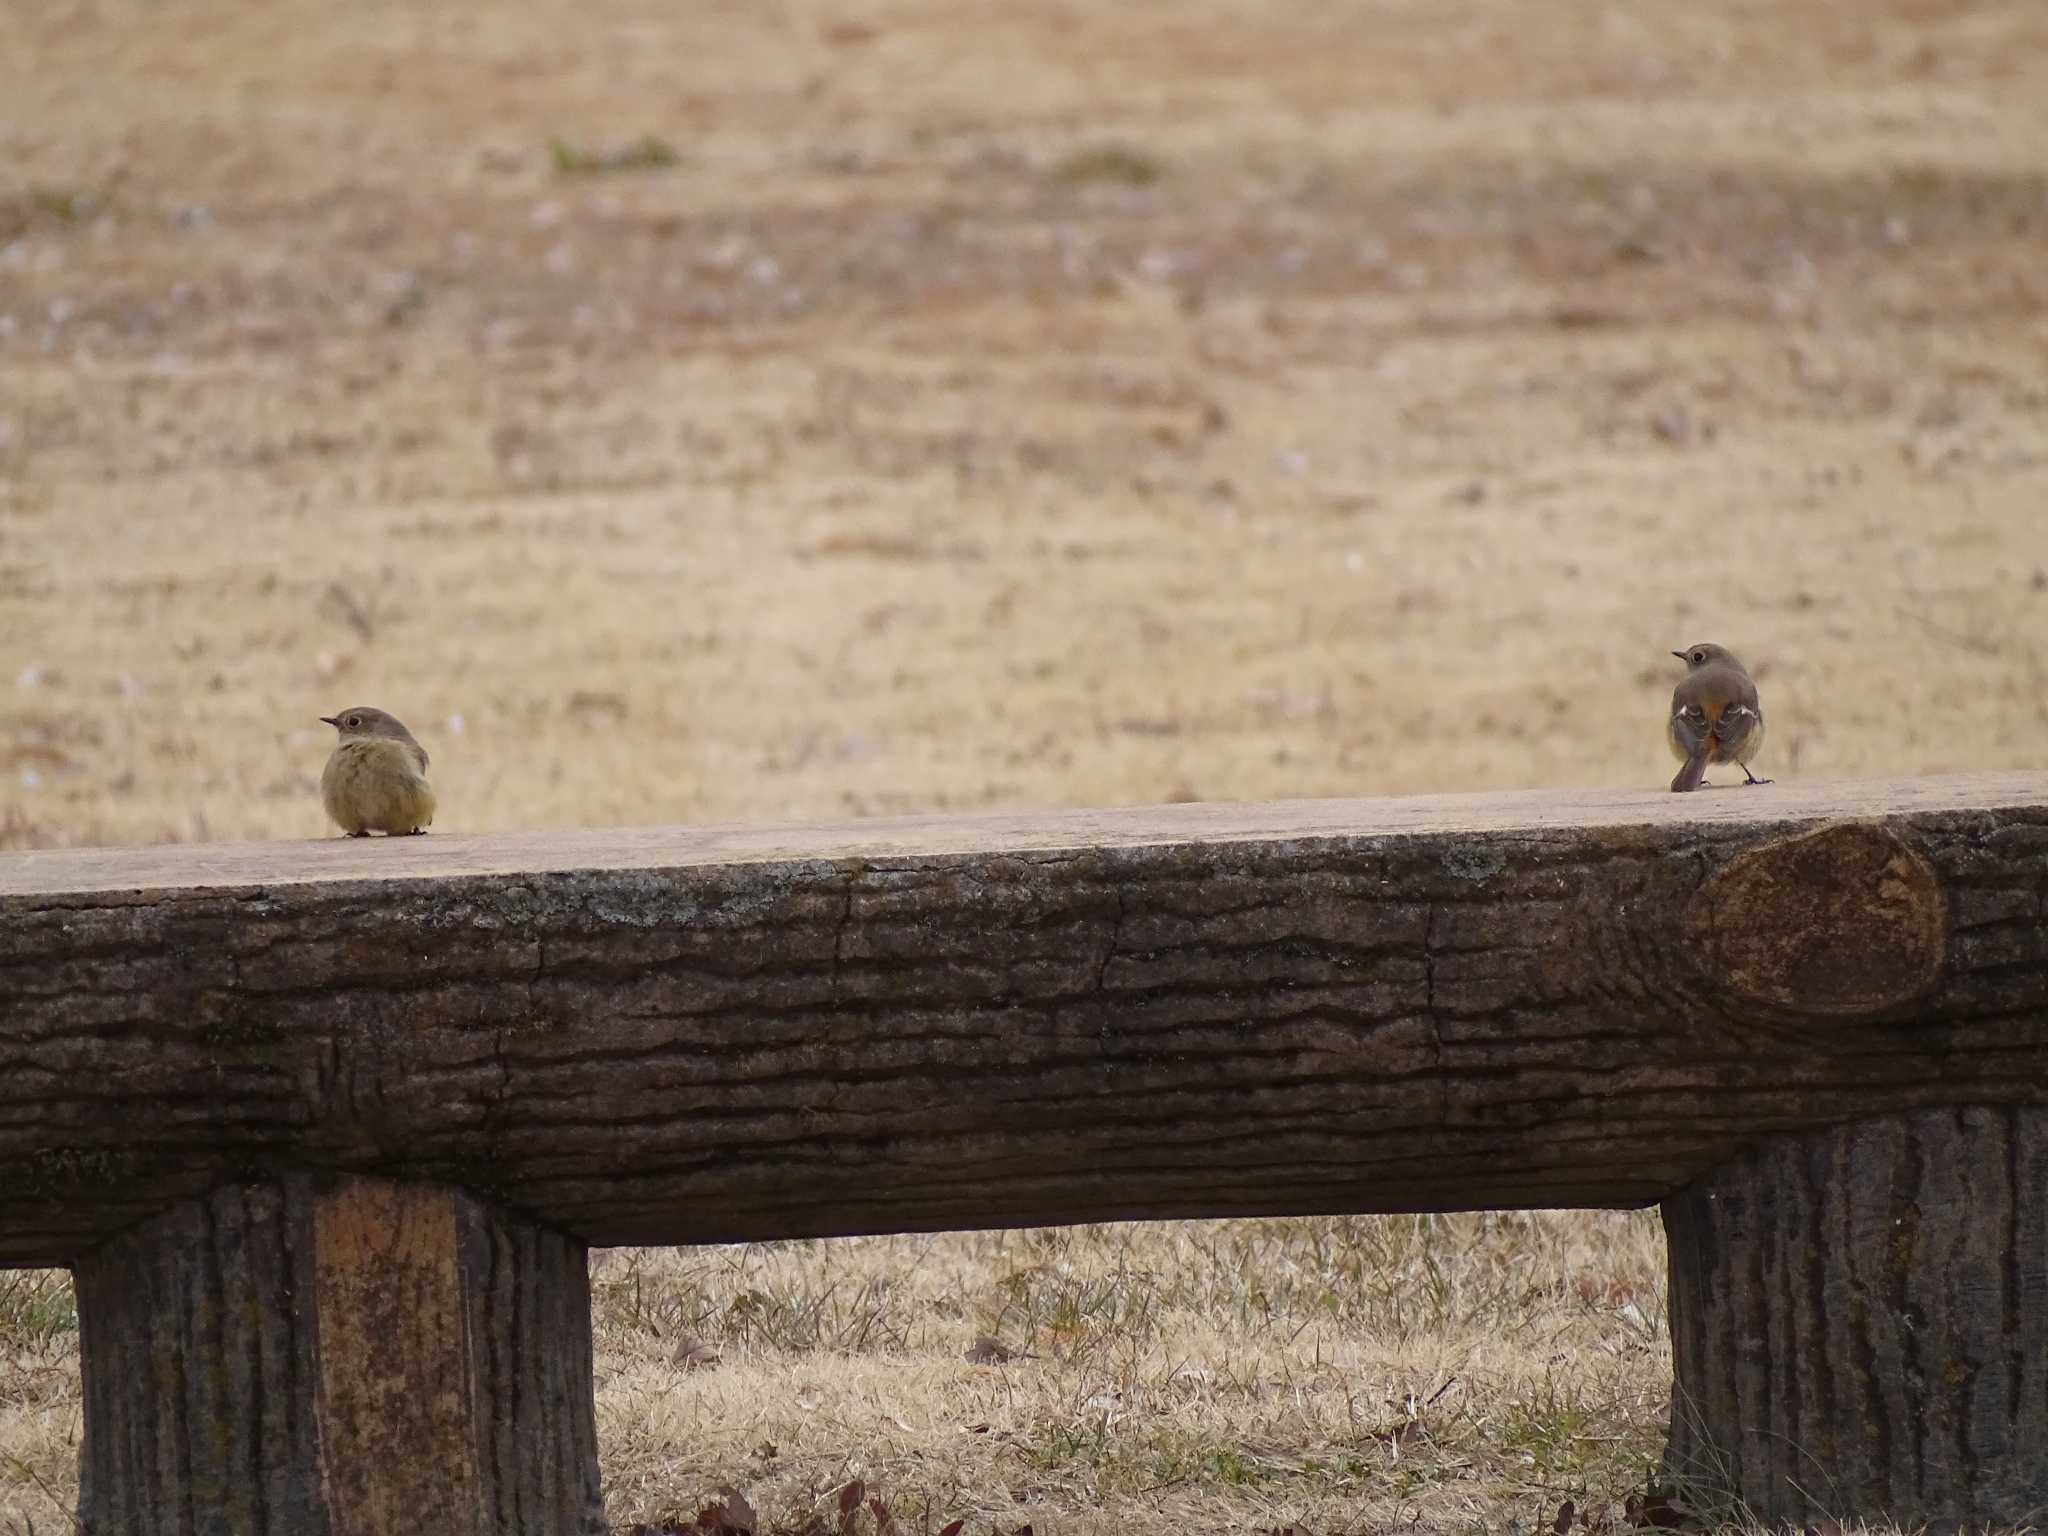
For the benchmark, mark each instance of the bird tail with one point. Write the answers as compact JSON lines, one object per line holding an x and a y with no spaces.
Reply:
{"x":1695,"y":767}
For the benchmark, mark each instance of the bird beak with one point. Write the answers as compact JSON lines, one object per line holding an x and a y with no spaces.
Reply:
{"x":330,"y":720}
{"x":1679,"y":654}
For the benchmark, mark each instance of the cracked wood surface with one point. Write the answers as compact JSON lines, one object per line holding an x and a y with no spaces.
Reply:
{"x":691,"y":1034}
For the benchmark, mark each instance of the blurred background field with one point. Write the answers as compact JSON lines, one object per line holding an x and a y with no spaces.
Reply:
{"x":745,"y":412}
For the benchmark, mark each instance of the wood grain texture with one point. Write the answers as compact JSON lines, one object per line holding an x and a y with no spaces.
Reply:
{"x":1860,"y":1325}
{"x":151,"y":872}
{"x":681,"y":1035}
{"x":299,"y":1358}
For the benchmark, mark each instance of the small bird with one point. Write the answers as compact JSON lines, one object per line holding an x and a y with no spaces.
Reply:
{"x":376,"y":778}
{"x":1716,"y":716}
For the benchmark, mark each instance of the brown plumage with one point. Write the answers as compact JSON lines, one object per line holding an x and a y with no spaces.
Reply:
{"x":376,"y":777}
{"x":1716,"y":716}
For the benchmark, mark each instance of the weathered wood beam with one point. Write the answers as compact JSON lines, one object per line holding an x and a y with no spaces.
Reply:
{"x":1808,"y":1019}
{"x":684,"y":1035}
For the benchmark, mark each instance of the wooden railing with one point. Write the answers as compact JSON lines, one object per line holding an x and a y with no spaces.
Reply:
{"x":324,"y":1128}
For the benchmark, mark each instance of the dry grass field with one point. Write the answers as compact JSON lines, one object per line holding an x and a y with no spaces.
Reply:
{"x":743,"y":412}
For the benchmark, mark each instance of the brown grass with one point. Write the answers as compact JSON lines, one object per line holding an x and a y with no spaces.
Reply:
{"x":1194,"y":1376}
{"x":765,"y":412}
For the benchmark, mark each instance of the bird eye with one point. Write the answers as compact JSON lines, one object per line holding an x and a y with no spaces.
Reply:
{"x":355,"y":722}
{"x":1699,"y":658}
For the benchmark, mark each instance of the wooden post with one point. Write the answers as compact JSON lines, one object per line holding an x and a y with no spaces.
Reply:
{"x":342,"y":1357}
{"x":1859,"y":1325}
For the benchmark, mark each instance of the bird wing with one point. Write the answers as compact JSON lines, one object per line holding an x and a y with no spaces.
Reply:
{"x":1711,"y":701}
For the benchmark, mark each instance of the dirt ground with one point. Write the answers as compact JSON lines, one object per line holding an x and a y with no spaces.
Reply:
{"x":750,"y":412}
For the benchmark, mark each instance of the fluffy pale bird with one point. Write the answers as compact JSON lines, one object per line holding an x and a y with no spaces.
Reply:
{"x":376,"y":777}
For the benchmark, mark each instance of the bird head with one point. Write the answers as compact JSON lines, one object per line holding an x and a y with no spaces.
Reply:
{"x":1705,"y":655}
{"x":360,"y":720}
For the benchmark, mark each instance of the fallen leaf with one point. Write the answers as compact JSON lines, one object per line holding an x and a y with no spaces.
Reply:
{"x":1658,"y":1510}
{"x":694,"y":1354}
{"x":990,"y":1350}
{"x":732,"y":1515}
{"x":849,"y":1505}
{"x":1563,"y":1522}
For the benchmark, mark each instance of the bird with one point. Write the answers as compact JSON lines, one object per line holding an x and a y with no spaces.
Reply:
{"x":376,"y":777}
{"x":1716,"y":716}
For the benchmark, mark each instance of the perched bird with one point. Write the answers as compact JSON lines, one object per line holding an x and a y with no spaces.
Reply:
{"x":1715,"y":716}
{"x":376,"y":779}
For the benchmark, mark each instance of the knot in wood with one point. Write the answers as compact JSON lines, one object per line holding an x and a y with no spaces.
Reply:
{"x":1844,"y":921}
